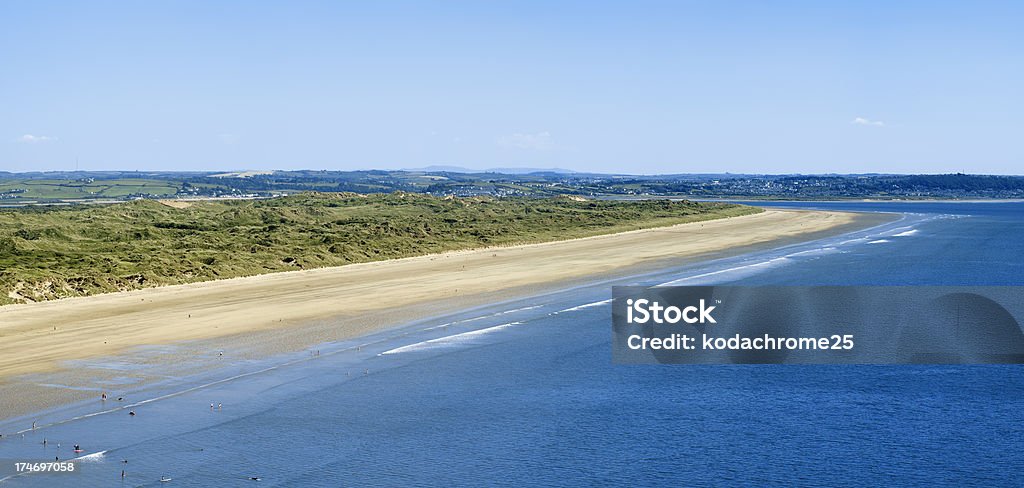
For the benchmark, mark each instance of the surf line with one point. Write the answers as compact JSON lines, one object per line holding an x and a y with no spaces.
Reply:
{"x":757,"y":265}
{"x":252,"y":373}
{"x":582,"y":307}
{"x":176,"y":393}
{"x":863,"y":236}
{"x":474,"y":319}
{"x":449,"y":339}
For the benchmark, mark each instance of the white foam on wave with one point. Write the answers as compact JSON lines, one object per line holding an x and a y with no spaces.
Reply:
{"x":880,"y":241}
{"x":474,"y":319}
{"x":815,"y":252}
{"x":449,"y":341}
{"x":584,"y":306}
{"x":746,"y":269}
{"x":94,"y":457}
{"x":760,"y":266}
{"x":853,"y":241}
{"x":906,"y":233}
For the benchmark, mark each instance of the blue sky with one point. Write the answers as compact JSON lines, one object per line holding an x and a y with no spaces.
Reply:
{"x":640,"y":87}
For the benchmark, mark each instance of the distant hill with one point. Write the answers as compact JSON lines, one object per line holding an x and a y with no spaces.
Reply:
{"x":507,"y":171}
{"x":443,"y":180}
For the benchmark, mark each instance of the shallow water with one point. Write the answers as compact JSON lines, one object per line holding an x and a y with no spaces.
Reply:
{"x":525,"y":393}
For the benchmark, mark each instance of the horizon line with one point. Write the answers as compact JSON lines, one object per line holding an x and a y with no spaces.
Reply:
{"x":514,"y":172}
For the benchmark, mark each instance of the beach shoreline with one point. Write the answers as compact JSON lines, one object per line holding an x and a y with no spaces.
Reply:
{"x":285,"y":312}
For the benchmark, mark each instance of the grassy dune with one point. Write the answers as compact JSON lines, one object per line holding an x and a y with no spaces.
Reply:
{"x":55,"y":253}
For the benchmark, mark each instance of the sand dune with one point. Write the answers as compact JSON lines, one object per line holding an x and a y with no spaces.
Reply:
{"x":37,"y":337}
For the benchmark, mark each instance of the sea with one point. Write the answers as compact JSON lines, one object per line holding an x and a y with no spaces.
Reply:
{"x":524,"y":393}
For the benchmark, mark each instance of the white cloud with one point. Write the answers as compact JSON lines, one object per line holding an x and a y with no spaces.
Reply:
{"x":864,"y":121}
{"x":31,"y":139}
{"x":538,"y":141}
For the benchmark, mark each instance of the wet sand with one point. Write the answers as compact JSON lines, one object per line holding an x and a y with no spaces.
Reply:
{"x":283,"y":312}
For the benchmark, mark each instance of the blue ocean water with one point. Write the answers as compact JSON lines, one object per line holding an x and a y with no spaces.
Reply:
{"x":524,"y":393}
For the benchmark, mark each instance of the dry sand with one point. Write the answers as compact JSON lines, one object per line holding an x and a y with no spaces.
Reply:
{"x":322,"y":303}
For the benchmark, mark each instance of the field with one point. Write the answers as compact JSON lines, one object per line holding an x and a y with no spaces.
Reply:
{"x":54,"y":253}
{"x":62,"y":188}
{"x":14,"y":190}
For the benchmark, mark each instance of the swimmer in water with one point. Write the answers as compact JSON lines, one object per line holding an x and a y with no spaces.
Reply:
{"x":131,"y":413}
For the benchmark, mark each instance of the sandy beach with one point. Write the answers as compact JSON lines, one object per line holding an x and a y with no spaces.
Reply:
{"x":288,"y":311}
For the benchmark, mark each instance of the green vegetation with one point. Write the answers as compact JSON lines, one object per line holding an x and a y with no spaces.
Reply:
{"x":85,"y":188}
{"x":50,"y":188}
{"x":74,"y":251}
